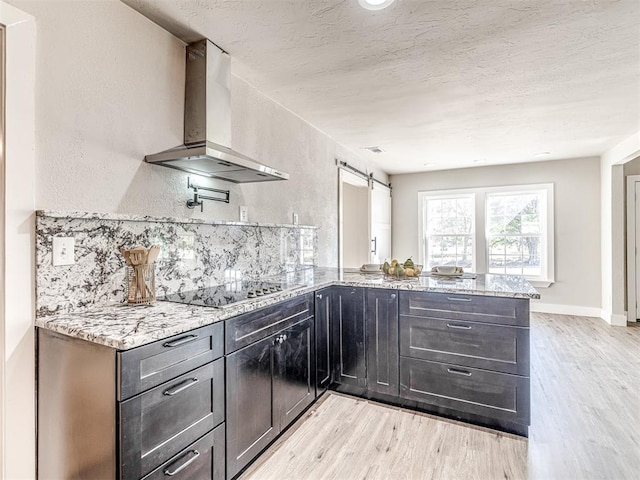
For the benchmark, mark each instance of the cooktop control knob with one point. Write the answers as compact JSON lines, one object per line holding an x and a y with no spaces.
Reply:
{"x":251,"y":294}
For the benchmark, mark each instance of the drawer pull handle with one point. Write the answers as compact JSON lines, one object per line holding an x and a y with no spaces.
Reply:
{"x":459,"y":327}
{"x":459,"y":372}
{"x":319,"y":296}
{"x":180,"y":341}
{"x":194,"y":455}
{"x":459,"y":299}
{"x":181,"y":387}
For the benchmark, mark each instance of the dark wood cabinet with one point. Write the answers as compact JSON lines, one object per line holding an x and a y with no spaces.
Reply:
{"x":159,"y":423}
{"x":150,"y":365}
{"x":498,"y":348}
{"x":382,"y":341}
{"x":348,"y":336}
{"x":492,"y":395}
{"x":269,"y":384}
{"x":295,"y":381}
{"x":323,"y":312}
{"x":251,"y":416}
{"x":467,"y":356}
{"x":159,"y":410}
{"x":132,"y":414}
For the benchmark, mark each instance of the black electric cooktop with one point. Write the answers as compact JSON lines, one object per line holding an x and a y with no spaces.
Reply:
{"x":225,"y":295}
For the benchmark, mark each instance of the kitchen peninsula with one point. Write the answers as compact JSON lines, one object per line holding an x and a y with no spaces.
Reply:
{"x":183,"y":389}
{"x":456,"y":348}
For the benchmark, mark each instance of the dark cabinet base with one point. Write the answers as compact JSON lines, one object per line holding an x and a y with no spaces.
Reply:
{"x":395,"y":401}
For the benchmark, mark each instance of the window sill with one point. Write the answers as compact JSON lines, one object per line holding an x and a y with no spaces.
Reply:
{"x":541,"y":283}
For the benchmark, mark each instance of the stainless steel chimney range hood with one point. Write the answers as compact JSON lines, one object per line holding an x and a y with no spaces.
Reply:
{"x":207,"y":123}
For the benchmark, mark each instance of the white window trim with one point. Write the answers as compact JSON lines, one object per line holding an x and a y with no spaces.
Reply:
{"x":480,"y":244}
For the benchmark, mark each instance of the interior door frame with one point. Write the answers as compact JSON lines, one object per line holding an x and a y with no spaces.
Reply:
{"x":18,"y":449}
{"x":631,"y":247}
{"x":3,"y":64}
{"x":344,"y":176}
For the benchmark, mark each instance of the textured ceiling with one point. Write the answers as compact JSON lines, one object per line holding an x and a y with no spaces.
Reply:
{"x":436,"y":84}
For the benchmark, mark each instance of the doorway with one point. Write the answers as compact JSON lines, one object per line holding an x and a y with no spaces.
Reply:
{"x":354,"y":220}
{"x":364,"y":217}
{"x":633,"y":248}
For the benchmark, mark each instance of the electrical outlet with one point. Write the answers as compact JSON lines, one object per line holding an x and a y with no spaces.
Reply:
{"x":63,"y":251}
{"x":295,"y":218}
{"x":244,"y":214}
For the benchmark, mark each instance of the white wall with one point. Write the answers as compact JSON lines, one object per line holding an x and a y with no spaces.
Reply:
{"x":18,"y":409}
{"x":577,"y":219}
{"x":355,"y":225}
{"x":111,"y":89}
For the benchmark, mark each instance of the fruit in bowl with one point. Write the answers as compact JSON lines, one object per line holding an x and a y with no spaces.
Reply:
{"x":406,"y":269}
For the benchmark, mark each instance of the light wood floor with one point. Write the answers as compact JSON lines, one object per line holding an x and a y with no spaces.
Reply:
{"x":585,"y":394}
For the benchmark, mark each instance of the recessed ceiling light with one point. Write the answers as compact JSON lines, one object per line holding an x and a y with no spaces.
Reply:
{"x":541,"y":154}
{"x":428,"y":164}
{"x":375,"y":4}
{"x":374,"y":149}
{"x":480,"y":160}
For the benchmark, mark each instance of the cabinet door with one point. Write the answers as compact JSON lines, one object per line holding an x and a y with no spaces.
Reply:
{"x":382,"y":341}
{"x":294,"y":388}
{"x":251,"y":417}
{"x":324,"y":302}
{"x":347,"y":333}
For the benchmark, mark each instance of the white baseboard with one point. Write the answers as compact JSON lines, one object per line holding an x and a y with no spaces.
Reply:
{"x":614,"y":319}
{"x":566,"y":309}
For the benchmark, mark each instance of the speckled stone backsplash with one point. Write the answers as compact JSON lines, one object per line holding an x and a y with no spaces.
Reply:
{"x":194,"y":254}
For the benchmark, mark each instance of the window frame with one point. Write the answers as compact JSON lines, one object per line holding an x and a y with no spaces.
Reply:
{"x":480,"y":222}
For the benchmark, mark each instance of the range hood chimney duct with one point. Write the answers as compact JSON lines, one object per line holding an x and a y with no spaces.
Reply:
{"x":207,"y":123}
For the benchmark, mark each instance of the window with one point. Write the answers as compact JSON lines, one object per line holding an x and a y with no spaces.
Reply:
{"x":449,"y":233}
{"x":515,"y":233}
{"x":502,"y":230}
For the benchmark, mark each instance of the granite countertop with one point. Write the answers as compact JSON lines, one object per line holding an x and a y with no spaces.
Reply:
{"x":124,"y":326}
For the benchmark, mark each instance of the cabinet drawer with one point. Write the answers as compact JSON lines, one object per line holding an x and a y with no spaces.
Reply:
{"x":159,"y":423}
{"x":150,"y":365}
{"x":202,"y":460}
{"x":472,"y":308}
{"x":481,"y":345}
{"x":489,"y":394}
{"x":250,"y":327}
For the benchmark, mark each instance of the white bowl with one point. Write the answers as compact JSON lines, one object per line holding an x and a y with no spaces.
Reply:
{"x":446,"y":269}
{"x":371,"y":267}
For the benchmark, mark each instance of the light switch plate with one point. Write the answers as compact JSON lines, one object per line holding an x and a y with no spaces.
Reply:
{"x":63,"y":251}
{"x":244,"y":214}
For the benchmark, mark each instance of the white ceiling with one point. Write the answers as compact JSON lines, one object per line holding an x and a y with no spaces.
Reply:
{"x":436,"y":84}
